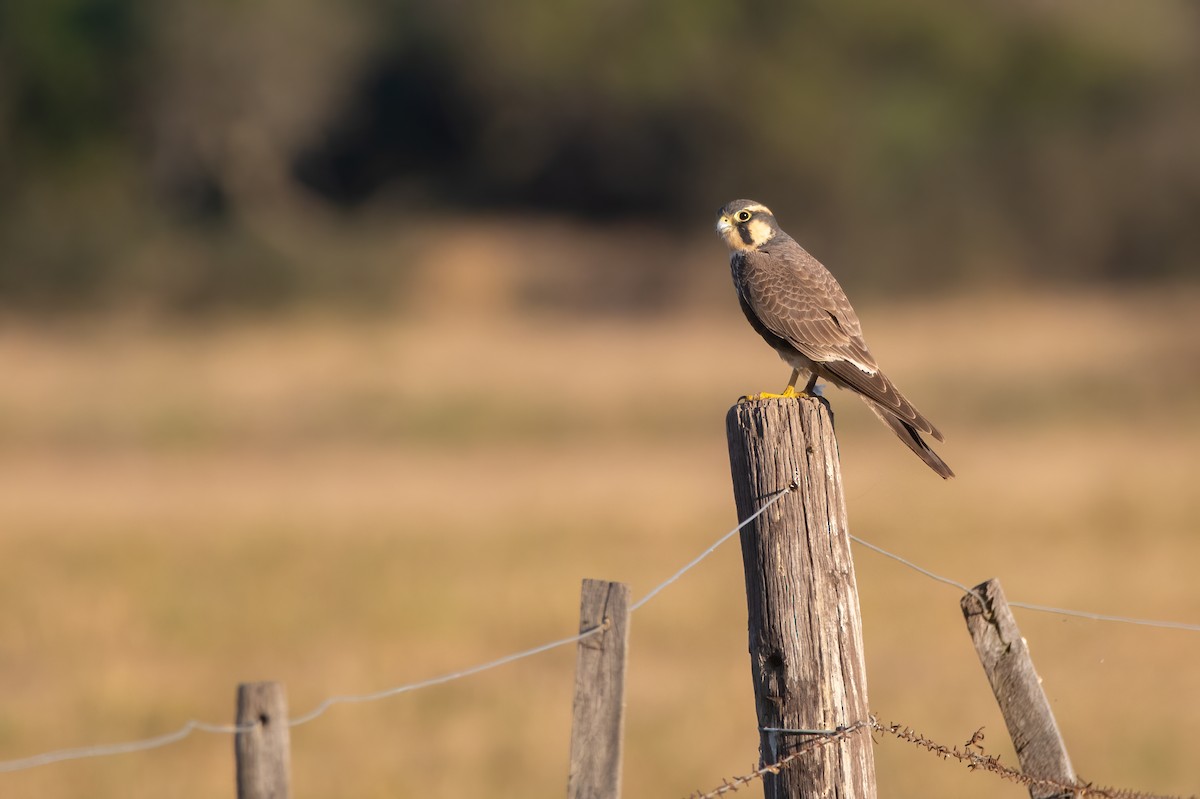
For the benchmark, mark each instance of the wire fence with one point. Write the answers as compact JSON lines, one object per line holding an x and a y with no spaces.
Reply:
{"x":971,"y":754}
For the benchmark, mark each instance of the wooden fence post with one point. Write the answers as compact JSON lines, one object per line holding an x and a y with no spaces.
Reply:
{"x":806,"y":652}
{"x":262,"y":752}
{"x":599,"y":708}
{"x":1018,"y":689}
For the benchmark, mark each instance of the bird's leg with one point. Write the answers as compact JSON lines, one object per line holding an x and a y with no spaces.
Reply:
{"x":790,"y":391}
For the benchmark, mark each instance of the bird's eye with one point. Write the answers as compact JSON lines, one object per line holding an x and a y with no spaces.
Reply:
{"x":743,"y":216}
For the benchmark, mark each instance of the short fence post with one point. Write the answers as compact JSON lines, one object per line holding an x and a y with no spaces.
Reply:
{"x":806,"y":652}
{"x":262,"y":747}
{"x":1017,"y":687}
{"x":599,"y":709}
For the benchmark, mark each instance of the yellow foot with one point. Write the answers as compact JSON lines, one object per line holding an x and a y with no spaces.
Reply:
{"x":788,"y":393}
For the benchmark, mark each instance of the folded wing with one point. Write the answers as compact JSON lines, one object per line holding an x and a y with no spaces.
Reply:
{"x":795,"y":297}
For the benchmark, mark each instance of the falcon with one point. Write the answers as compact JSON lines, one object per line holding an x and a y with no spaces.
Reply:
{"x":794,"y":303}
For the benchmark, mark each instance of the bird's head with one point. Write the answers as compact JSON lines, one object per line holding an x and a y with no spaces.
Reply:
{"x":746,"y":225}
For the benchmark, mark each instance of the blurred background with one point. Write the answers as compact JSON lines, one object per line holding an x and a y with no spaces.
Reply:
{"x":343,"y":339}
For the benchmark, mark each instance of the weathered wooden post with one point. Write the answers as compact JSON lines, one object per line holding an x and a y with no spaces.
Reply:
{"x":1017,"y":687}
{"x":806,"y":651}
{"x":599,"y":709}
{"x":262,"y":747}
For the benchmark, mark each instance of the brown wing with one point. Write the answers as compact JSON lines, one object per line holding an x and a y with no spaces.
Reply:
{"x":797,"y":299}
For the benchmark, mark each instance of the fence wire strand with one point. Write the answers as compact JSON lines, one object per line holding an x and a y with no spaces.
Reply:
{"x":654,"y":591}
{"x":1085,"y":614}
{"x":1081,"y":614}
{"x":104,"y":750}
{"x":128,"y":747}
{"x":445,"y":678}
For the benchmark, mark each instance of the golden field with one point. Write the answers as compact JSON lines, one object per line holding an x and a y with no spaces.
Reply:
{"x":350,"y":504}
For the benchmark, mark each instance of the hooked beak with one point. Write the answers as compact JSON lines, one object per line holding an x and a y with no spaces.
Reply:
{"x":724,"y":226}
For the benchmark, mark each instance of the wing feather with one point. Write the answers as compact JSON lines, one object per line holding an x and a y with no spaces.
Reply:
{"x":794,"y":297}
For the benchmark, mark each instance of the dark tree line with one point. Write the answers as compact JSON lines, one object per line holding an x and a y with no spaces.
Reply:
{"x":144,"y":142}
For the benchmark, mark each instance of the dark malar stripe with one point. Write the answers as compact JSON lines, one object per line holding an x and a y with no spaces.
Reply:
{"x":744,"y":232}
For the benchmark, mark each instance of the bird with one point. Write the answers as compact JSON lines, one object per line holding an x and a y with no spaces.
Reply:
{"x":800,"y":309}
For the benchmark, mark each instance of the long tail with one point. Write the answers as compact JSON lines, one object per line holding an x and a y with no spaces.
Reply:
{"x":911,"y":438}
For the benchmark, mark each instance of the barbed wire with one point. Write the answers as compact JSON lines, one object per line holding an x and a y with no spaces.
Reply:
{"x":971,"y":754}
{"x":822,"y":738}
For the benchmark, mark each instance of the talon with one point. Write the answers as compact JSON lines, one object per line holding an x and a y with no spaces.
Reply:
{"x":789,"y":393}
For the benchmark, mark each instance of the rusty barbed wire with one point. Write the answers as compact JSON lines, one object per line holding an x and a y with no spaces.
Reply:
{"x":971,"y":754}
{"x":730,"y":785}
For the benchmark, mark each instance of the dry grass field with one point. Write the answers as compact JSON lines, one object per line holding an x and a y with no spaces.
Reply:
{"x":347,"y":505}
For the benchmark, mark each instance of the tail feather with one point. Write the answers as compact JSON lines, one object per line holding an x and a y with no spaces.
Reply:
{"x":912,"y":438}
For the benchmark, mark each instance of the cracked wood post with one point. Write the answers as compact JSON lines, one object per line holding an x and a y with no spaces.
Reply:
{"x":806,"y":650}
{"x":1018,"y":689}
{"x":262,"y":752}
{"x":599,"y":709}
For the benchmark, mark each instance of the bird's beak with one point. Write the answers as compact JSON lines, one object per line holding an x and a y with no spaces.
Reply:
{"x":724,"y":225}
